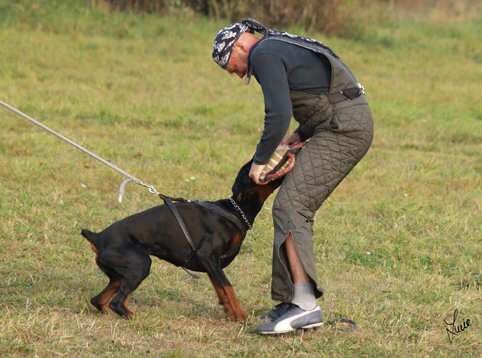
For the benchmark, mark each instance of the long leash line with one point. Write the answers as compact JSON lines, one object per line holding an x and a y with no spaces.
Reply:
{"x":151,"y":188}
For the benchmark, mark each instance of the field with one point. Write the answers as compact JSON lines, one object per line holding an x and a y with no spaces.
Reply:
{"x":399,"y":243}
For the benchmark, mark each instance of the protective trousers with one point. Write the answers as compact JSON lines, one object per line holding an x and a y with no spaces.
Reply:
{"x":340,"y":135}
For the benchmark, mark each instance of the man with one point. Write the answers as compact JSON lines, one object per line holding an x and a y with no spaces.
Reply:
{"x":304,"y":79}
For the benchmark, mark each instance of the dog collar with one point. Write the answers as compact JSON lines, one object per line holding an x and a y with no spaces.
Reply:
{"x":243,"y":215}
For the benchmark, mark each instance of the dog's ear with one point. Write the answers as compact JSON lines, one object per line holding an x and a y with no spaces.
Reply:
{"x":243,"y":181}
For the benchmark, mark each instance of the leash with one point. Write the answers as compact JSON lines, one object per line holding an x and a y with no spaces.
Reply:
{"x":151,"y":188}
{"x":130,"y":178}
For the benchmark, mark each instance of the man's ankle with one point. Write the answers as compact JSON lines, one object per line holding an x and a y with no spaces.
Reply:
{"x":304,"y":296}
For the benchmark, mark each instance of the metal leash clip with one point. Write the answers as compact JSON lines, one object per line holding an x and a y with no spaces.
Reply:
{"x":122,"y":187}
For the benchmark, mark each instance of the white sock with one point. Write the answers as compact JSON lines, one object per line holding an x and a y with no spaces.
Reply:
{"x":304,"y":296}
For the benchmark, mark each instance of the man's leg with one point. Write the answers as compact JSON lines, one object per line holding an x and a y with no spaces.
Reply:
{"x":297,"y":269}
{"x":304,"y":295}
{"x":302,"y":312}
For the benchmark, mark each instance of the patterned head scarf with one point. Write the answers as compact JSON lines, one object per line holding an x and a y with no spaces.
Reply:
{"x":226,"y":38}
{"x":224,"y":42}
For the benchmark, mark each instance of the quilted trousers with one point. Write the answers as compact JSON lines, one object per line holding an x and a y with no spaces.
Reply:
{"x":340,"y":135}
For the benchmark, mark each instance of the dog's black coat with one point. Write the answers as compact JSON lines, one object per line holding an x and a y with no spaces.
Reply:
{"x":123,"y":249}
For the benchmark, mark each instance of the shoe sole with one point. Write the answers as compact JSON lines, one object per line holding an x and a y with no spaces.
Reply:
{"x":307,"y":328}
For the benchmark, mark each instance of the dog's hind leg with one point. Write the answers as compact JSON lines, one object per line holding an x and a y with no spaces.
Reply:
{"x":101,"y":301}
{"x":136,"y":269}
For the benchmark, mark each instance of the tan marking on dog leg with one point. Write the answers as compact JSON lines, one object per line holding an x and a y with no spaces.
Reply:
{"x":228,"y":299}
{"x":126,"y":302}
{"x":106,"y":295}
{"x":94,"y":249}
{"x":237,"y":240}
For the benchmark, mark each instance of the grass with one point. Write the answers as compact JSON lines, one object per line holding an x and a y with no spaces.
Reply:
{"x":398,"y":244}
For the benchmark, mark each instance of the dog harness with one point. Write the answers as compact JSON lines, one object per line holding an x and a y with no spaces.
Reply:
{"x":208,"y":205}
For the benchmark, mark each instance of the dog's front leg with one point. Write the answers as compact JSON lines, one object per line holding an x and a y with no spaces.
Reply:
{"x":223,"y":288}
{"x":228,"y":299}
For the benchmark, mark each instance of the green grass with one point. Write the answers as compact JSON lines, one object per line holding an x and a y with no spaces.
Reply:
{"x":398,"y":244}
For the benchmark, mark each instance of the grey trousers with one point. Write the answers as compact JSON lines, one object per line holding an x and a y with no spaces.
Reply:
{"x":341,"y":135}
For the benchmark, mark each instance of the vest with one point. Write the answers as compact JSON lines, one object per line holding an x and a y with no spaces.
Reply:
{"x":308,"y":109}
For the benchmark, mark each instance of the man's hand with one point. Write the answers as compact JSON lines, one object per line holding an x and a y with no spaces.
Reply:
{"x":256,"y":169}
{"x":255,"y":172}
{"x":290,"y":139}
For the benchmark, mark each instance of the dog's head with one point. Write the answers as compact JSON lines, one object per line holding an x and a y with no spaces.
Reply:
{"x":244,"y":188}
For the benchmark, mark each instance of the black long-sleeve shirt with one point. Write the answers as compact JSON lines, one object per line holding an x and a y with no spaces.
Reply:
{"x":279,"y":68}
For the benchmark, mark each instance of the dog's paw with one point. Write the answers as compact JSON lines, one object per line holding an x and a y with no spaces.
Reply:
{"x":238,"y":316}
{"x":121,"y":310}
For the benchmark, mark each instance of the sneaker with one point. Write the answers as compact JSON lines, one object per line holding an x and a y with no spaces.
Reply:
{"x":292,"y":319}
{"x":277,"y":311}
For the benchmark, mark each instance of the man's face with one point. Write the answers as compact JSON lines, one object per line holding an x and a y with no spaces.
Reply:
{"x":238,"y":61}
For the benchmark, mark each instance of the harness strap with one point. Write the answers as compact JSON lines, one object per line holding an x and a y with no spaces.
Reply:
{"x":218,"y":210}
{"x":183,"y":226}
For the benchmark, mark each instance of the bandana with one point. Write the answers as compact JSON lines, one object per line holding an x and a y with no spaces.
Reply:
{"x":224,"y":42}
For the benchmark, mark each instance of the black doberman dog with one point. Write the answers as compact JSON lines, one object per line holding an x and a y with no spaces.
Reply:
{"x":216,"y":229}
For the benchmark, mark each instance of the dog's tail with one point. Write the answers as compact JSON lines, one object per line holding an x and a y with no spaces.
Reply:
{"x":89,"y":235}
